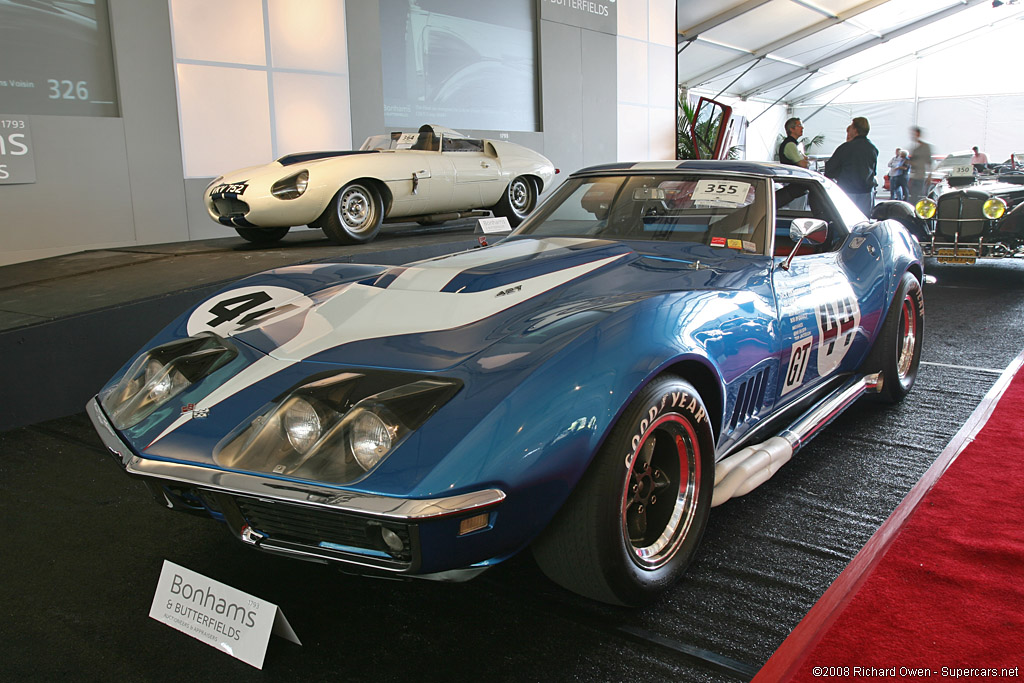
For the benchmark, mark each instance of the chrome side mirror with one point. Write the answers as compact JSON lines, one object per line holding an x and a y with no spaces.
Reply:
{"x":800,"y":229}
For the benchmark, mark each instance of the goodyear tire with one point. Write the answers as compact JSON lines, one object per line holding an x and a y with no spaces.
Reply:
{"x":518,"y":200}
{"x":632,"y":526}
{"x":354,"y":215}
{"x":262,"y":235}
{"x":897,"y":349}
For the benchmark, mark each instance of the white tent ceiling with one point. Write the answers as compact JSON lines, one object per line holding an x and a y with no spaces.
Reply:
{"x":802,"y":51}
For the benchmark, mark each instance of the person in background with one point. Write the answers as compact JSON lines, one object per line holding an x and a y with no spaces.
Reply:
{"x":854,"y":163}
{"x":791,"y":151}
{"x":920,"y":165}
{"x":979,"y":159}
{"x":895,"y":166}
{"x":898,"y":176}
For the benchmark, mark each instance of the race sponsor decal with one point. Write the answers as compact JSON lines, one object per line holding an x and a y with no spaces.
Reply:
{"x":750,"y":247}
{"x":735,"y":244}
{"x":838,"y":321}
{"x":242,"y":309}
{"x":799,"y":358}
{"x":718,"y":241}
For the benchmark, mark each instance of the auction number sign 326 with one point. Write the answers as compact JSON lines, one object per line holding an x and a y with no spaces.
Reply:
{"x":17,"y":163}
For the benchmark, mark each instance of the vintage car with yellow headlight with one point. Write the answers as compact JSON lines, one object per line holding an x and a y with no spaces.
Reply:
{"x":428,"y":176}
{"x":970,"y":216}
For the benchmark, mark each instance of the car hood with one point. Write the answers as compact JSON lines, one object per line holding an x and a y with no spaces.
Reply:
{"x":433,"y":315}
{"x":486,"y":319}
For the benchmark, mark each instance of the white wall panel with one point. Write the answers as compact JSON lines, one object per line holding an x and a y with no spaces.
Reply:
{"x":306,"y":110}
{"x":633,"y":19}
{"x":632,"y":71}
{"x":662,"y":22}
{"x":221,"y":31}
{"x":225,"y":120}
{"x":309,"y":35}
{"x":646,"y":80}
{"x":634,"y":133}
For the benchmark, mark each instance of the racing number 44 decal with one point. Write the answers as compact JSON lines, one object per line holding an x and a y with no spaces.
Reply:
{"x":837,"y":322}
{"x":238,"y":310}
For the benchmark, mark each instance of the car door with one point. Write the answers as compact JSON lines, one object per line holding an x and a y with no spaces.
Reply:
{"x":712,"y":129}
{"x":476,"y":172}
{"x":417,"y":177}
{"x":821,"y":295}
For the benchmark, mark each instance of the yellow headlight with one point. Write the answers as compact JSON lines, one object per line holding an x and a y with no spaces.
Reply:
{"x":994,"y":208}
{"x":925,"y":208}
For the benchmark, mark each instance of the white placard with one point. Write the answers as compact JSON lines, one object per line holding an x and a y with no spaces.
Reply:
{"x":729,"y":191}
{"x":962,"y":171}
{"x":493,"y":226}
{"x":218,"y":615}
{"x":406,"y":140}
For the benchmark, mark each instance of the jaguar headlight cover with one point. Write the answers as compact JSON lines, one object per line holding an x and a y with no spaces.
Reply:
{"x":324,"y":431}
{"x":925,"y":208}
{"x":162,"y":373}
{"x":291,"y":187}
{"x":994,"y":208}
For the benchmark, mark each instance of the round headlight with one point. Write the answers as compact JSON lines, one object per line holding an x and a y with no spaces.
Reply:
{"x":301,"y":424}
{"x":994,"y":208}
{"x":291,"y":187}
{"x":925,"y":208}
{"x":369,"y":437}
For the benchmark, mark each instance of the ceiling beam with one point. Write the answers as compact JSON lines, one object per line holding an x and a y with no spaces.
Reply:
{"x":765,"y":50}
{"x":888,"y":66}
{"x":839,"y":56}
{"x":691,"y":33}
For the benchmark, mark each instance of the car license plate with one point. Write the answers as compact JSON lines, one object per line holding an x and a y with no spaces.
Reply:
{"x":967,"y":256}
{"x":225,"y":188}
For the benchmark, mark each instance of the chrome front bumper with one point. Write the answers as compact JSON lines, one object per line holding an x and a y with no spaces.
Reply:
{"x":228,"y":494}
{"x":387,"y":507}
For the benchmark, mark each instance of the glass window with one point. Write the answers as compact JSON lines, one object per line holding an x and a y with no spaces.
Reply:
{"x":808,"y":199}
{"x":719,"y":211}
{"x":398,"y":140}
{"x":449,"y":144}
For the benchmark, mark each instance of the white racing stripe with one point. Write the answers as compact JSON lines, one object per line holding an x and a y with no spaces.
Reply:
{"x":365,"y":312}
{"x":432,"y":275}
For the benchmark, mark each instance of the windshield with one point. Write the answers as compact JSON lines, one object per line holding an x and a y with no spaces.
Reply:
{"x":719,"y":211}
{"x":421,"y":141}
{"x":954,"y":160}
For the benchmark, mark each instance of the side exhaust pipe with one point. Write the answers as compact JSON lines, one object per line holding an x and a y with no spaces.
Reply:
{"x":748,"y":468}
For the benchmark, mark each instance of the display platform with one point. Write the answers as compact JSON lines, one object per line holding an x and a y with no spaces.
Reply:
{"x":86,"y":545}
{"x":71,"y":321}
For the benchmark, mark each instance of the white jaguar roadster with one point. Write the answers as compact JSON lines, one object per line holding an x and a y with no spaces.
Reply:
{"x":430,"y":176}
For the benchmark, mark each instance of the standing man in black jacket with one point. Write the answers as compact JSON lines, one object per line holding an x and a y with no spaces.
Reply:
{"x":853,"y":165}
{"x":791,"y":151}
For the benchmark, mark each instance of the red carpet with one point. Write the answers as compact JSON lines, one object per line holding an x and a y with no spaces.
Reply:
{"x":941,"y":584}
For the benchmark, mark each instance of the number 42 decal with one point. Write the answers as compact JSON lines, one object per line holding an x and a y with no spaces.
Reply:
{"x":240,"y":309}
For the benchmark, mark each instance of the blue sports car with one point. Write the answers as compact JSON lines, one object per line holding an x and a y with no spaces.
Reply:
{"x":654,"y":340}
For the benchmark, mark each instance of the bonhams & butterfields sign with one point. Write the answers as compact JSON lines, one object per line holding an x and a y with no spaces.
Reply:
{"x":596,"y":15}
{"x":217,"y":614}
